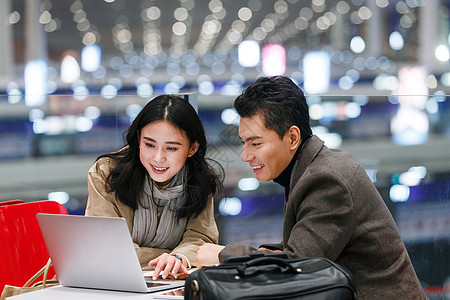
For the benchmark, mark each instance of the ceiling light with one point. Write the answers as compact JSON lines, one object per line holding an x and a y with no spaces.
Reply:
{"x":274,"y":59}
{"x":35,"y":78}
{"x":248,"y":53}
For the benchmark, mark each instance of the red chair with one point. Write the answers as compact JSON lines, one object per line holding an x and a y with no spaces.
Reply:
{"x":10,"y":202}
{"x":22,"y":247}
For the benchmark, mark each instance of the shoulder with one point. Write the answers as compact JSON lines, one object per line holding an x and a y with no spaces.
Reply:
{"x":108,"y":161}
{"x":332,"y":174}
{"x":335,"y":160}
{"x":318,"y":158}
{"x":319,"y":164}
{"x":334,"y":167}
{"x":102,"y":166}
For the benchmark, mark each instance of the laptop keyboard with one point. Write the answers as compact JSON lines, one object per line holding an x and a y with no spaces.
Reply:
{"x":154,"y":283}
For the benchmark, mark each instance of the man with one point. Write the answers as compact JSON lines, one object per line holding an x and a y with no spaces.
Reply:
{"x":332,"y":208}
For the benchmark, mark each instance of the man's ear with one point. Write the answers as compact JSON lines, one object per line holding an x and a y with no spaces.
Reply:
{"x":194,"y":148}
{"x":295,"y":138}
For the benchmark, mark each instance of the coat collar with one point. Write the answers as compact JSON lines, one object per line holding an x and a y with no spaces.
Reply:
{"x":284,"y":178}
{"x":309,"y":152}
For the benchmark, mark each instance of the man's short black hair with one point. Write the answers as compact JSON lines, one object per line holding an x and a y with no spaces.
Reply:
{"x":280,"y":101}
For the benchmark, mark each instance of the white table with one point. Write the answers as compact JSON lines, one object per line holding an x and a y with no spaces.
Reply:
{"x":68,"y":293}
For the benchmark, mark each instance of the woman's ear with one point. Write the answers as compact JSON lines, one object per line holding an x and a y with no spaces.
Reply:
{"x":194,"y":148}
{"x":295,"y":138}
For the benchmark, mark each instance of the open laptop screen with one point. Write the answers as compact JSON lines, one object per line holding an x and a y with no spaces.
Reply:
{"x":95,"y":252}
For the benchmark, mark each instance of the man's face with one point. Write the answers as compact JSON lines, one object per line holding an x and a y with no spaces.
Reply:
{"x":266,"y":153}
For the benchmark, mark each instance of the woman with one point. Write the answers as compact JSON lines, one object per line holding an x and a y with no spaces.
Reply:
{"x":161,"y":183}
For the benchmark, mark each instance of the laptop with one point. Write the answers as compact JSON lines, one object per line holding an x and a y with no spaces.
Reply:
{"x":96,"y":252}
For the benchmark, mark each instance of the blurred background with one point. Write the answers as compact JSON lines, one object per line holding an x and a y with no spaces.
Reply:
{"x":74,"y":74}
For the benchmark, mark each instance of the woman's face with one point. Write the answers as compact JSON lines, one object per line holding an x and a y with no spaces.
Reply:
{"x":163,"y":150}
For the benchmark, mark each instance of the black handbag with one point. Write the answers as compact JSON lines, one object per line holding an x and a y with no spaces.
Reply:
{"x":272,"y":278}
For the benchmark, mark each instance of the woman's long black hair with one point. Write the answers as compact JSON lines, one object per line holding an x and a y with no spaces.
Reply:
{"x":128,"y":175}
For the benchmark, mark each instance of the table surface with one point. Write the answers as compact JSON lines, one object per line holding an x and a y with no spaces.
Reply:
{"x":68,"y":293}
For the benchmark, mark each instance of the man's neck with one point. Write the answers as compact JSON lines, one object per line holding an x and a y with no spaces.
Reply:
{"x":284,"y":179}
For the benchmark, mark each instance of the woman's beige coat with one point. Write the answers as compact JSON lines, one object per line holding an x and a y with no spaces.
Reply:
{"x":199,"y":230}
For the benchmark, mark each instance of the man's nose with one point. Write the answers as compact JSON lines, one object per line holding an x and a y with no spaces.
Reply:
{"x":246,"y":155}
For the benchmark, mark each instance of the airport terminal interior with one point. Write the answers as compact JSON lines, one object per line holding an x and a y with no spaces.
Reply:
{"x":376,"y":75}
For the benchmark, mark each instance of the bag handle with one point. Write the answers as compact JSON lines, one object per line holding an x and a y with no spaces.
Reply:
{"x":39,"y":273}
{"x":266,"y":261}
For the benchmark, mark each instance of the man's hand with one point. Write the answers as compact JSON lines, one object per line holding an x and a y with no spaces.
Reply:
{"x":208,"y":255}
{"x":268,"y":250}
{"x":167,"y":264}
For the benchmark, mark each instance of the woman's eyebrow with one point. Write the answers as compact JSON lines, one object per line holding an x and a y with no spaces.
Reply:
{"x":168,"y":142}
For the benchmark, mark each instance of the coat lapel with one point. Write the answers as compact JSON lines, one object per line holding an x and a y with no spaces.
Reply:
{"x":309,"y":152}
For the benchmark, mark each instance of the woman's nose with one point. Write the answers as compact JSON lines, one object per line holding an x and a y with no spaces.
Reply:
{"x":160,"y":155}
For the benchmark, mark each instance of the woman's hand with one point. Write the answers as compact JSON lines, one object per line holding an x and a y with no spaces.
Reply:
{"x":177,"y":292}
{"x":167,"y":264}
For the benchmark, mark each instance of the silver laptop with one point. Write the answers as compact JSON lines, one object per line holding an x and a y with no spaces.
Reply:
{"x":96,"y":252}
